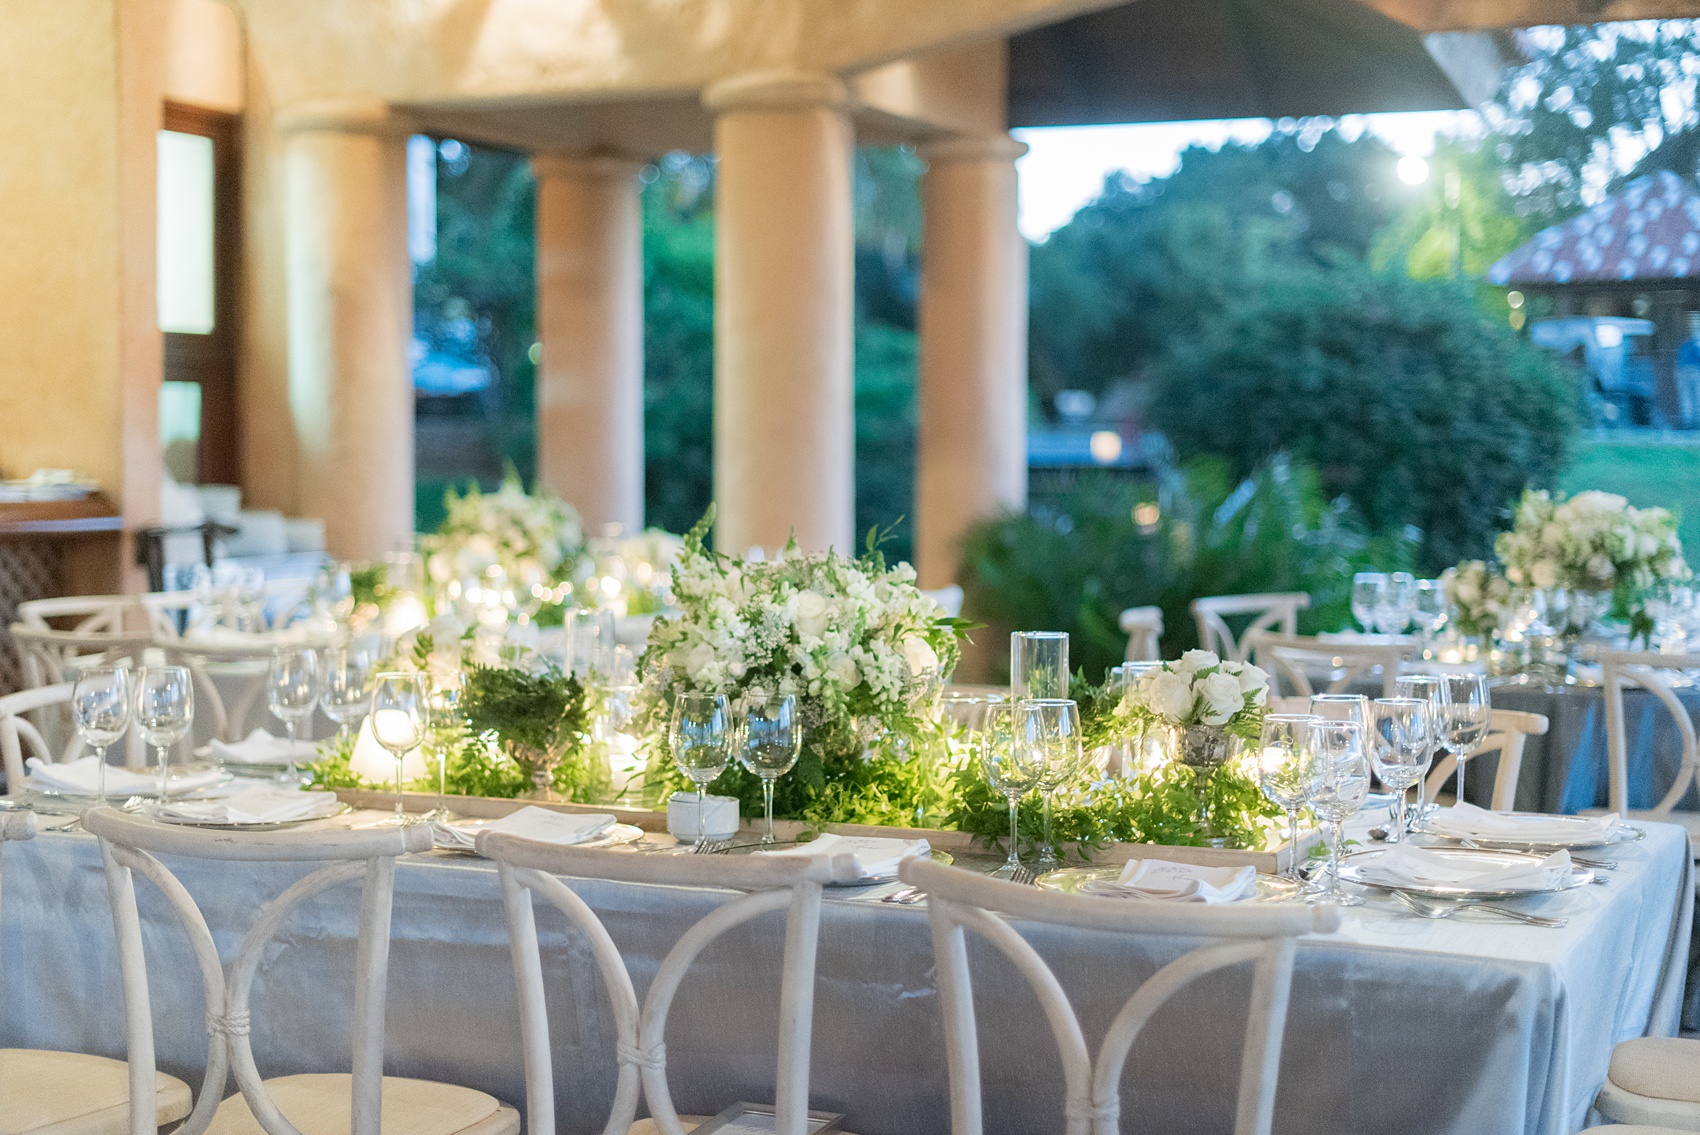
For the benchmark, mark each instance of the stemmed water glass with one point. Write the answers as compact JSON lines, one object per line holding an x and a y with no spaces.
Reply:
{"x":1050,"y":728}
{"x":1393,"y":613}
{"x":1336,"y":783}
{"x":100,"y":708}
{"x":398,"y":722}
{"x":1399,"y":743}
{"x":292,"y":693}
{"x":1368,"y":591}
{"x":348,"y":685}
{"x":1283,"y":754}
{"x":1008,"y":764}
{"x":1428,"y":610}
{"x":1469,"y":713}
{"x":1340,"y":707}
{"x":165,"y":708}
{"x":769,"y":743}
{"x":1430,"y":689}
{"x":443,"y":698}
{"x":700,"y":738}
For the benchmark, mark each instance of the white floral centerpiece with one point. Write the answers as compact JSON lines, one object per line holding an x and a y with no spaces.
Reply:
{"x":1200,"y":691}
{"x":535,"y":538}
{"x":855,"y":640}
{"x":1593,"y":542}
{"x":1478,"y":597}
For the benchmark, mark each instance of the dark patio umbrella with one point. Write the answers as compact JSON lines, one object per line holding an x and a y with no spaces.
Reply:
{"x":1177,"y":60}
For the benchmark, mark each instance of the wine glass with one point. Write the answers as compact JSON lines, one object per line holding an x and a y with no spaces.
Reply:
{"x":1336,"y":783}
{"x":398,"y":722}
{"x":769,"y":743}
{"x":1428,"y":609}
{"x":1393,"y":613}
{"x":1469,"y":713}
{"x":1038,"y":664}
{"x":292,"y":693}
{"x":1428,"y":688}
{"x":1367,"y":590}
{"x":100,"y":707}
{"x":1399,"y":742}
{"x":165,"y":708}
{"x":700,"y":738}
{"x":1050,"y":728}
{"x":1008,"y":765}
{"x":1340,"y":707}
{"x":348,"y":685}
{"x":967,"y":716}
{"x":1282,"y":756}
{"x":444,"y":699}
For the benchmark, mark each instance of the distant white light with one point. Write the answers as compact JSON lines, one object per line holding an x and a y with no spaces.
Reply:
{"x":1412,"y":170}
{"x":1608,"y":336}
{"x":1106,"y":446}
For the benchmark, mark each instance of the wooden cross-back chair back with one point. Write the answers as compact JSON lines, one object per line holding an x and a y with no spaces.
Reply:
{"x":1278,"y":611}
{"x":1508,"y":731}
{"x":203,"y":660}
{"x":18,"y":732}
{"x":51,"y":656}
{"x":130,"y":846}
{"x":1620,"y":669}
{"x":1143,"y":627}
{"x":1262,"y":936}
{"x":1293,"y":659}
{"x":774,"y":885}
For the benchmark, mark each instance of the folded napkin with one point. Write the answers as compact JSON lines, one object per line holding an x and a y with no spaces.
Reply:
{"x":1169,"y":881}
{"x":1405,"y":865}
{"x":532,"y":822}
{"x":78,"y":778}
{"x":1466,"y":821}
{"x":258,"y":804}
{"x":874,"y":857}
{"x":261,"y":748}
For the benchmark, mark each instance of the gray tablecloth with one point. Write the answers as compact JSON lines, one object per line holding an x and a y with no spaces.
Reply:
{"x":1565,"y":771}
{"x":1397,"y":1025}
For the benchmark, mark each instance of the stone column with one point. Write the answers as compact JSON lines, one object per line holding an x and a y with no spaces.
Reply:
{"x":784,"y":415}
{"x":590,"y":322}
{"x":972,"y":459}
{"x":350,"y":296}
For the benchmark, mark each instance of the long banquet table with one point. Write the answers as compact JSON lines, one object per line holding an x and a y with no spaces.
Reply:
{"x":1397,"y":1025}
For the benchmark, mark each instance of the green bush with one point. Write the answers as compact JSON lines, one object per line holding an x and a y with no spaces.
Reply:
{"x":1076,"y":563}
{"x":1402,"y":393}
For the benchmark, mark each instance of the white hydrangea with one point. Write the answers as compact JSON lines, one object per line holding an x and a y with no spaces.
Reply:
{"x":1593,"y":541}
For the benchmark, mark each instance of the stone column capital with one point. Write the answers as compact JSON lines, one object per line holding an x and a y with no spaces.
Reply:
{"x":998,"y":147}
{"x":775,"y":90}
{"x":579,"y":167}
{"x":372,"y":117}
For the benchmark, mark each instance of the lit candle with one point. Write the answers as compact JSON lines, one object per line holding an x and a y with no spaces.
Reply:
{"x":371,"y":761}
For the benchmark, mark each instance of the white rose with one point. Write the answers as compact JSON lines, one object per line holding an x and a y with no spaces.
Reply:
{"x":920,"y":655}
{"x":1170,"y":695}
{"x":842,"y":668}
{"x":1253,"y":679}
{"x":1599,"y":567}
{"x":699,"y":660}
{"x":1195,"y":660}
{"x":1222,"y":698}
{"x":812,"y":611}
{"x":1544,"y":573}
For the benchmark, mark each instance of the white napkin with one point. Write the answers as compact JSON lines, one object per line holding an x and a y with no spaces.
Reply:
{"x":78,"y":778}
{"x":1466,"y":821}
{"x":1405,"y":864}
{"x":875,"y":856}
{"x":531,"y":822}
{"x":261,"y":748}
{"x":258,"y":804}
{"x":1171,"y":881}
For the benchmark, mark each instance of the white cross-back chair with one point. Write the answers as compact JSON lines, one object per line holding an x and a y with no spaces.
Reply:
{"x":18,"y":732}
{"x":1508,"y":731}
{"x":1296,"y":659}
{"x":72,"y":1092}
{"x":1277,"y":612}
{"x":244,"y":670}
{"x":1262,"y":936}
{"x":1143,"y":627}
{"x":775,"y":885}
{"x":311,"y":1104}
{"x":1654,"y":673}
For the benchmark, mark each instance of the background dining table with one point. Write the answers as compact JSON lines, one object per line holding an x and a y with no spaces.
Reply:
{"x":1397,"y":1024}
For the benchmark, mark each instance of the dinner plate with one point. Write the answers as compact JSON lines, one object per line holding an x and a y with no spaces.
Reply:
{"x":1351,"y":871}
{"x":115,"y":797}
{"x":341,"y":809}
{"x":614,"y":837}
{"x":1624,"y":833}
{"x":936,"y":855}
{"x":1074,"y":880}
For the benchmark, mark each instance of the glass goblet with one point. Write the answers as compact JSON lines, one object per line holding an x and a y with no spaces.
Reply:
{"x":1282,"y":755}
{"x":348,"y":685}
{"x":1368,"y":591}
{"x":700,"y":738}
{"x":769,"y":743}
{"x":1469,"y":714}
{"x":1340,"y":707}
{"x":292,"y":692}
{"x":1336,"y":783}
{"x":1400,"y":750}
{"x":1428,"y":688}
{"x":1008,"y":764}
{"x":1038,"y":664}
{"x":1050,"y":727}
{"x":398,"y":723}
{"x":100,"y":709}
{"x":165,"y":708}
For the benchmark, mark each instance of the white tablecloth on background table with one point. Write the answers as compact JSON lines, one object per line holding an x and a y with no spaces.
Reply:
{"x":1397,"y":1025}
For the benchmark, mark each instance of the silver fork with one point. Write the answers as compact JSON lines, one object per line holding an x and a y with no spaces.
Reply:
{"x":1452,"y":907}
{"x":711,"y":847}
{"x":1023,"y":876}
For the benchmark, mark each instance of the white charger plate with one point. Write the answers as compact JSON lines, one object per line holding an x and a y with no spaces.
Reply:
{"x":1351,"y":871}
{"x":1077,"y":880}
{"x":341,"y":809}
{"x":614,"y":837}
{"x":1624,"y":833}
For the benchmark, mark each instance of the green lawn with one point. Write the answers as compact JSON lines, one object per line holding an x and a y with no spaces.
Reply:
{"x":1651,"y":472}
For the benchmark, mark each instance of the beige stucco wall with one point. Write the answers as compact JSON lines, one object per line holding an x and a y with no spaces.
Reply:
{"x":79,"y":376}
